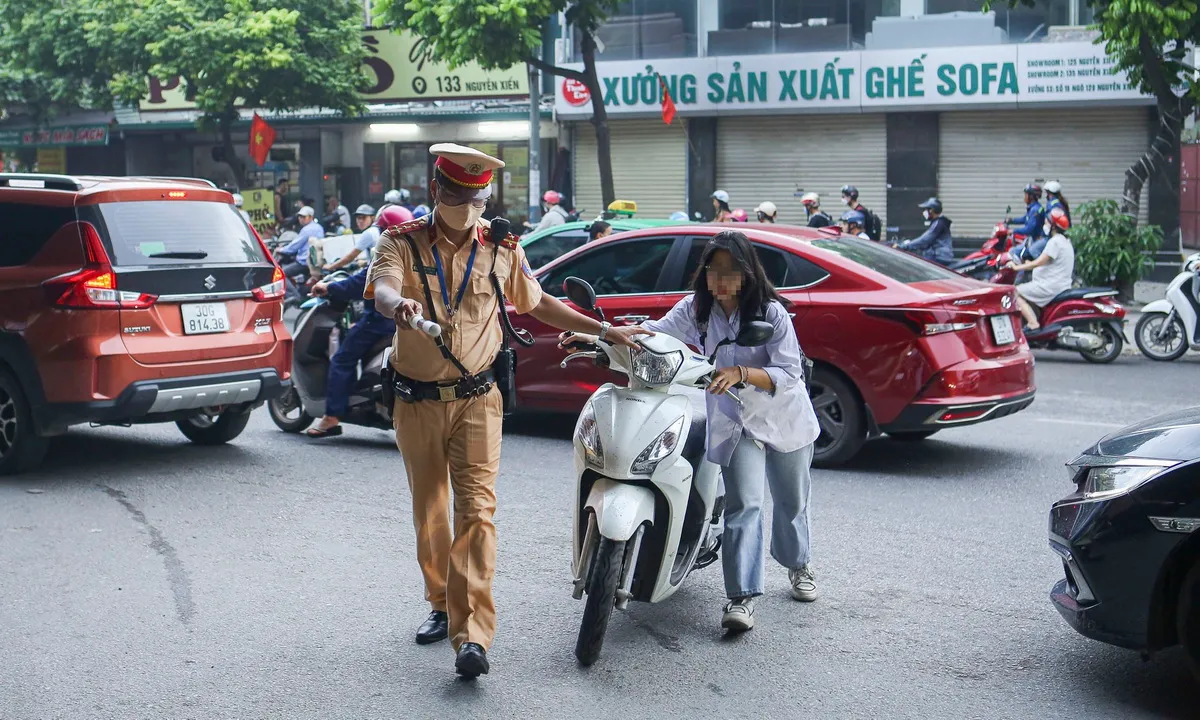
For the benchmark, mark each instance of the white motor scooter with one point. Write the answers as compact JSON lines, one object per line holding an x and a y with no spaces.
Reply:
{"x":647,"y":505}
{"x":1170,"y":326}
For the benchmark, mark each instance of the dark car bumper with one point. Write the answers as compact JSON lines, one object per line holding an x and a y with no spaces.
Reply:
{"x":161,"y":400}
{"x":1112,"y":561}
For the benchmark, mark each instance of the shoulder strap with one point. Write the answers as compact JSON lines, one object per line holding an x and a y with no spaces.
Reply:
{"x":429,"y":306}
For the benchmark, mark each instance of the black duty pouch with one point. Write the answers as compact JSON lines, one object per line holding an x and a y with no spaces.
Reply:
{"x":505,"y":369}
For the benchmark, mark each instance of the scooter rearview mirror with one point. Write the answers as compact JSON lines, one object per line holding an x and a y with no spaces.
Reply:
{"x":755,"y":334}
{"x":1007,"y":209}
{"x":581,"y":293}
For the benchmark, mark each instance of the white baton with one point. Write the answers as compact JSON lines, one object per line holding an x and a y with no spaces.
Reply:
{"x":432,"y":329}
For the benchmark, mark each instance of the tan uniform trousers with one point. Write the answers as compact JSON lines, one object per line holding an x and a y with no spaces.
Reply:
{"x":455,"y":445}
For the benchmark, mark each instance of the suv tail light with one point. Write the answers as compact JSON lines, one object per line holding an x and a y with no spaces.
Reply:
{"x":94,"y":286}
{"x":927,"y":321}
{"x":273,"y":291}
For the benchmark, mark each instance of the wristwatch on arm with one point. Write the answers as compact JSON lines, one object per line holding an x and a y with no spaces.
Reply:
{"x":604,"y":328}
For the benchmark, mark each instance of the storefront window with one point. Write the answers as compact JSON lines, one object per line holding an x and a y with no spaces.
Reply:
{"x":647,"y":29}
{"x":757,"y":27}
{"x":412,"y":172}
{"x":1020,"y":24}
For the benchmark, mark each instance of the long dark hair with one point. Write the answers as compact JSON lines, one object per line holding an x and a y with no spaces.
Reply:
{"x":1062,"y":199}
{"x":757,"y":290}
{"x":723,"y":205}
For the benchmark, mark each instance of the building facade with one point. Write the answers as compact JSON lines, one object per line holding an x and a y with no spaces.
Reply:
{"x":904,"y":100}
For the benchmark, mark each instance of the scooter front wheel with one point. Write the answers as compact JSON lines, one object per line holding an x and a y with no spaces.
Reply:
{"x":1161,"y":336}
{"x":601,"y":589}
{"x":287,"y":413}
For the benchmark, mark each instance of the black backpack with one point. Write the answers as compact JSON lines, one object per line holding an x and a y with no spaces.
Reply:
{"x":873,"y":226}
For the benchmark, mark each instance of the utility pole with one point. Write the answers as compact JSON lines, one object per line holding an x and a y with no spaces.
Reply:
{"x":535,"y":144}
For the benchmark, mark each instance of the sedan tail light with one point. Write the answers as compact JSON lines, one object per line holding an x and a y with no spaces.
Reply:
{"x":927,"y":321}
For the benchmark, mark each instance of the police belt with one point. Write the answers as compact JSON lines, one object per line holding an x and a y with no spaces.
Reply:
{"x":410,"y":391}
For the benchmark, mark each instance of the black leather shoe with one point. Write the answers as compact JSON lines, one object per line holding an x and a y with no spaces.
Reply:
{"x":433,"y":629}
{"x":471,"y":661}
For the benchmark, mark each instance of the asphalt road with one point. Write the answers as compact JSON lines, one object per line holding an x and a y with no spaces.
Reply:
{"x":141,"y":577}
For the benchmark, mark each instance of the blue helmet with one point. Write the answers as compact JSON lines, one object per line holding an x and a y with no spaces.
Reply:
{"x":678,"y":216}
{"x":420,"y":211}
{"x":854,"y":217}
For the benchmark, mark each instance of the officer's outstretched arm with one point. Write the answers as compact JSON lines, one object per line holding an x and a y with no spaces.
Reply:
{"x":390,"y":303}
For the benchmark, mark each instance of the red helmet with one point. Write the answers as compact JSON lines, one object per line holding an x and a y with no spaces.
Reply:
{"x":551,"y":197}
{"x":392,"y":215}
{"x":1058,"y":218}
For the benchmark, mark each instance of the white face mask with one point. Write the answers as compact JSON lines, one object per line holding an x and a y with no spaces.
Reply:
{"x":925,"y":214}
{"x":847,"y":201}
{"x":460,"y":217}
{"x":1046,"y":229}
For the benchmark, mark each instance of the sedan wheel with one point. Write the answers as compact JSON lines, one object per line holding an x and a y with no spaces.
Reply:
{"x":840,"y":415}
{"x":1187,"y":616}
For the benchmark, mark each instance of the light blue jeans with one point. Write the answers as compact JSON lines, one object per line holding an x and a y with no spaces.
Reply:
{"x":746,"y":478}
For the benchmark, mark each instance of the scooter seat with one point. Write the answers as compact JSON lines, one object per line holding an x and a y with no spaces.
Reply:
{"x":697,"y":431}
{"x":1084,"y":292}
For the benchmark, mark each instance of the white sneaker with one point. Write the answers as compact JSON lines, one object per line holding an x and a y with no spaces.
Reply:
{"x":739,"y":615}
{"x":804,"y":583}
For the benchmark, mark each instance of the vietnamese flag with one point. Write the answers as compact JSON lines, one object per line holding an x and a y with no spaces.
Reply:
{"x":668,"y":105}
{"x":262,"y":137}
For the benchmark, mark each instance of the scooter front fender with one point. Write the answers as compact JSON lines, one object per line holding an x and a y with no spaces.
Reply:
{"x":1163,"y":306}
{"x":620,"y":508}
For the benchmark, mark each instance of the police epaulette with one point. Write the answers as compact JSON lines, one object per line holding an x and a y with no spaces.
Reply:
{"x":510,"y":241}
{"x":420,"y":223}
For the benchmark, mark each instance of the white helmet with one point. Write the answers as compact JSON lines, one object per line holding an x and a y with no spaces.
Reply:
{"x":1192,"y":263}
{"x":392,"y":196}
{"x":722,"y":196}
{"x":1054,"y":186}
{"x":766,"y":207}
{"x":238,"y":200}
{"x":810,"y":199}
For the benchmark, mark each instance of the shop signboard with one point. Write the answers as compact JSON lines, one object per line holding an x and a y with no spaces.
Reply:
{"x":868,"y":80}
{"x":398,"y":68}
{"x":259,"y":204}
{"x":52,"y":160}
{"x":55,"y":137}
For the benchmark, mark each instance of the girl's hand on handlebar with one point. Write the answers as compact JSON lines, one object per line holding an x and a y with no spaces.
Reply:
{"x":724,"y":379}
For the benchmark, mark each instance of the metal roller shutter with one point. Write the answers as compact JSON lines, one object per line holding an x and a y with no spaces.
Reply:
{"x":985,"y":158}
{"x":769,"y":158}
{"x":649,"y":167}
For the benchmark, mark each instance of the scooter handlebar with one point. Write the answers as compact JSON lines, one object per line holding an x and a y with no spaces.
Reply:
{"x":432,"y":329}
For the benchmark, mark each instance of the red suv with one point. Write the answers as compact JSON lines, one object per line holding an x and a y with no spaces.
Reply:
{"x":132,"y":300}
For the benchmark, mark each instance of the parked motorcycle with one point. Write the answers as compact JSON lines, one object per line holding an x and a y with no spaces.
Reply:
{"x":1172,"y":325}
{"x":647,"y":507}
{"x":317,"y":335}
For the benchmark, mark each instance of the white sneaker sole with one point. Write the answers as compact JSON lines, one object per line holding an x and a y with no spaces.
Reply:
{"x":804,"y":595}
{"x":738,"y":622}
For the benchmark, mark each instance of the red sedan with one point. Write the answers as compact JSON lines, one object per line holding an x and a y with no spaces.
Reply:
{"x":900,"y":345}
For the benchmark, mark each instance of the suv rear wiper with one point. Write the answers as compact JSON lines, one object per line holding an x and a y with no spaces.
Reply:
{"x":180,"y":255}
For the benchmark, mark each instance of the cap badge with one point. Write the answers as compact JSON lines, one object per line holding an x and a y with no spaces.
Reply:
{"x":475,"y":169}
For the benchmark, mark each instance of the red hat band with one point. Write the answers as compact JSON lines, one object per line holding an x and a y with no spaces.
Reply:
{"x":460,"y":175}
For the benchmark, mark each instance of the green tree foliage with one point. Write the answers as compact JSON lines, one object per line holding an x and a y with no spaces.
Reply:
{"x":1110,"y":247}
{"x":503,"y":33}
{"x":1150,"y":40}
{"x":230,"y":53}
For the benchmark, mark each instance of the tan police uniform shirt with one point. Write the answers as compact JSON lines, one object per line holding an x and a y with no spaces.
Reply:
{"x":474,"y":334}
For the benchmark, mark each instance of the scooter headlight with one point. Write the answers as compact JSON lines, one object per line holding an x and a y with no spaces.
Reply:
{"x":587,"y":434}
{"x":657,"y":451}
{"x":655,"y":368}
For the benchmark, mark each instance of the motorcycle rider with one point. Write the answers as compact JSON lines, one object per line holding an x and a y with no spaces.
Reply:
{"x":852,"y":222}
{"x":294,"y":257}
{"x":358,"y":341}
{"x":871,"y":225}
{"x":555,"y":214}
{"x":935,"y":244}
{"x":1030,"y":224}
{"x":364,"y":218}
{"x":739,"y":215}
{"x":767,"y":440}
{"x":817,"y":218}
{"x":1055,"y":198}
{"x":720,"y":200}
{"x":766,"y":212}
{"x":1053,"y":270}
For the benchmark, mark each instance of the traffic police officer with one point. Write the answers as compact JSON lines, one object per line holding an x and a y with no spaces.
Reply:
{"x":448,"y":412}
